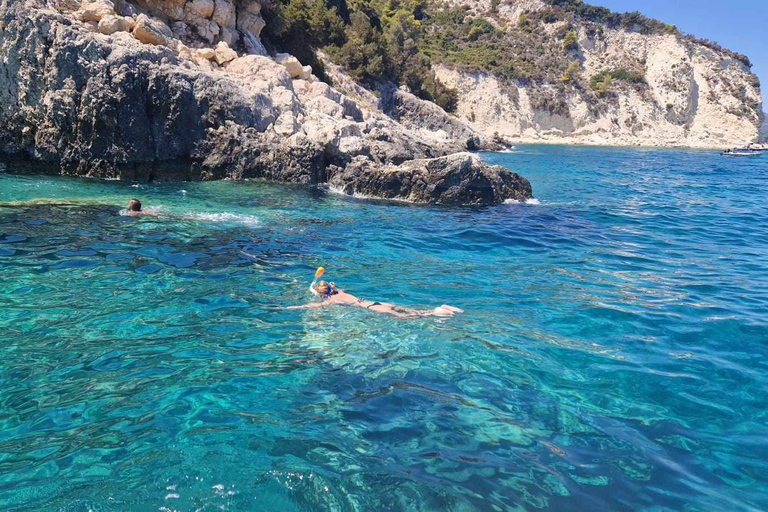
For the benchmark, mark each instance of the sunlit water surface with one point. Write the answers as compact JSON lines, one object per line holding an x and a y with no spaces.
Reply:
{"x":613,"y":354}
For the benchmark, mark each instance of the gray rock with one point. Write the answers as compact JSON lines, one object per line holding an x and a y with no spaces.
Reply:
{"x":416,"y":113}
{"x":459,"y":179}
{"x":253,"y":44}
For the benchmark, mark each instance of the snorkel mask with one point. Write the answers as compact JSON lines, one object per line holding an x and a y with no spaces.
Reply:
{"x":318,"y":274}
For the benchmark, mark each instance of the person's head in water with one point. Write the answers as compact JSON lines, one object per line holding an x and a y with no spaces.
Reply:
{"x":324,"y":289}
{"x":134,"y":205}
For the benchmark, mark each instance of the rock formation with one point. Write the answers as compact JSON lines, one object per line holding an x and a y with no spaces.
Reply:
{"x":175,"y":89}
{"x":688,"y":92}
{"x":457,"y":179}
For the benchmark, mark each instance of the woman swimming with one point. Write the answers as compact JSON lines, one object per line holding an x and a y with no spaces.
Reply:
{"x":332,"y":295}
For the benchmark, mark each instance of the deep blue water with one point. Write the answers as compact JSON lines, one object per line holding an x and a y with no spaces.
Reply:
{"x":613,"y":354}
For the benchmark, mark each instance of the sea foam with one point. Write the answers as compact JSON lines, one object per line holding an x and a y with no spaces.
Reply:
{"x":531,"y":202}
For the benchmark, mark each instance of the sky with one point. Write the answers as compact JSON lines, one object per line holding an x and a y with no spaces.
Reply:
{"x":738,"y":25}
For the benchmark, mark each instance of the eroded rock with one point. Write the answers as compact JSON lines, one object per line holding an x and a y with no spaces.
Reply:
{"x":462,"y":178}
{"x":95,"y":10}
{"x":158,"y":111}
{"x":201,"y":8}
{"x":224,"y":13}
{"x":110,"y":24}
{"x":223,"y":53}
{"x":152,"y":31}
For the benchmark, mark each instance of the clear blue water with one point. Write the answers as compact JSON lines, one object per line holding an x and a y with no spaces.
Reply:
{"x":613,"y":354}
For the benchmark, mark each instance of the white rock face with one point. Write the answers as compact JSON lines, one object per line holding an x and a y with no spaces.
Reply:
{"x":764,"y":129}
{"x":695,"y":96}
{"x":94,"y":11}
{"x":110,"y":24}
{"x":291,"y":64}
{"x":223,"y":53}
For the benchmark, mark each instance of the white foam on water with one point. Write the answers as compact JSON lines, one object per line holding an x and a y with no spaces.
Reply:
{"x":531,"y":202}
{"x":226,"y":217}
{"x":219,"y":218}
{"x":358,"y":195}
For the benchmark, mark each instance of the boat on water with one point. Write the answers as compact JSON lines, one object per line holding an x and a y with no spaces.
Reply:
{"x":748,"y":150}
{"x":740,"y":152}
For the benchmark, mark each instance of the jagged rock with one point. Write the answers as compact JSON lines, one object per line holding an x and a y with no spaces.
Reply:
{"x":208,"y":31}
{"x":253,"y":44}
{"x":410,"y":110}
{"x":201,"y":8}
{"x":223,"y":53}
{"x":229,"y":36}
{"x":206,"y":53}
{"x":457,"y":179}
{"x":249,"y":22}
{"x":151,"y":31}
{"x":94,"y":11}
{"x":108,"y":25}
{"x":290,"y":63}
{"x":224,"y":14}
{"x":260,"y":72}
{"x":325,"y":106}
{"x":251,"y":6}
{"x":180,"y":30}
{"x":124,"y":8}
{"x":285,"y":124}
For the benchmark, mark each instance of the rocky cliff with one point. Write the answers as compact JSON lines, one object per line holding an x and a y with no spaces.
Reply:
{"x":607,"y":78}
{"x":177,"y":89}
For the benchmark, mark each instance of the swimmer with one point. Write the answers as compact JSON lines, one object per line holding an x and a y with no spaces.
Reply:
{"x":134,"y":210}
{"x":332,"y":295}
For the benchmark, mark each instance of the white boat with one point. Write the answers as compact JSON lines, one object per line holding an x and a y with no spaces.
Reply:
{"x":741,"y":152}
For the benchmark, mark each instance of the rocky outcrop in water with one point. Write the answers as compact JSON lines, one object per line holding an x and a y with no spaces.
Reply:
{"x":174,"y":89}
{"x":457,"y":179}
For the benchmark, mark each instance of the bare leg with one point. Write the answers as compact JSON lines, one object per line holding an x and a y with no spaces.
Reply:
{"x":401,"y":312}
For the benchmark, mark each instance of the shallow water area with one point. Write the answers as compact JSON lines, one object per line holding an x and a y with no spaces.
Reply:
{"x":612,"y":355}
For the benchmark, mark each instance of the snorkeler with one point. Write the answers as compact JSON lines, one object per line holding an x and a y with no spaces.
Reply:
{"x":332,"y":295}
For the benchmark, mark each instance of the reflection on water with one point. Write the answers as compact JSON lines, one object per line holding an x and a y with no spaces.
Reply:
{"x":611,"y":357}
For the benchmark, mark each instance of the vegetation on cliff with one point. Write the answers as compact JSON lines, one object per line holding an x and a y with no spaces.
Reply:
{"x":378,"y":41}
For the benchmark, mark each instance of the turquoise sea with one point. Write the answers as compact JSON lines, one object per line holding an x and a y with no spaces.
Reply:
{"x":613,"y":355}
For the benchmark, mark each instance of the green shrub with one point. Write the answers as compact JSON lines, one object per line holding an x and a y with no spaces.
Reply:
{"x":375,"y":41}
{"x":602,"y":81}
{"x":570,"y":41}
{"x":570,"y":75}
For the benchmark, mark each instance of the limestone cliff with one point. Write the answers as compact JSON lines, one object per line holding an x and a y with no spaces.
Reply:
{"x":176,"y":89}
{"x":665,"y":89}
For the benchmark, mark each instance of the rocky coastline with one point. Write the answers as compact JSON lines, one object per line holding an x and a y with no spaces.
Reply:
{"x":168,"y":90}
